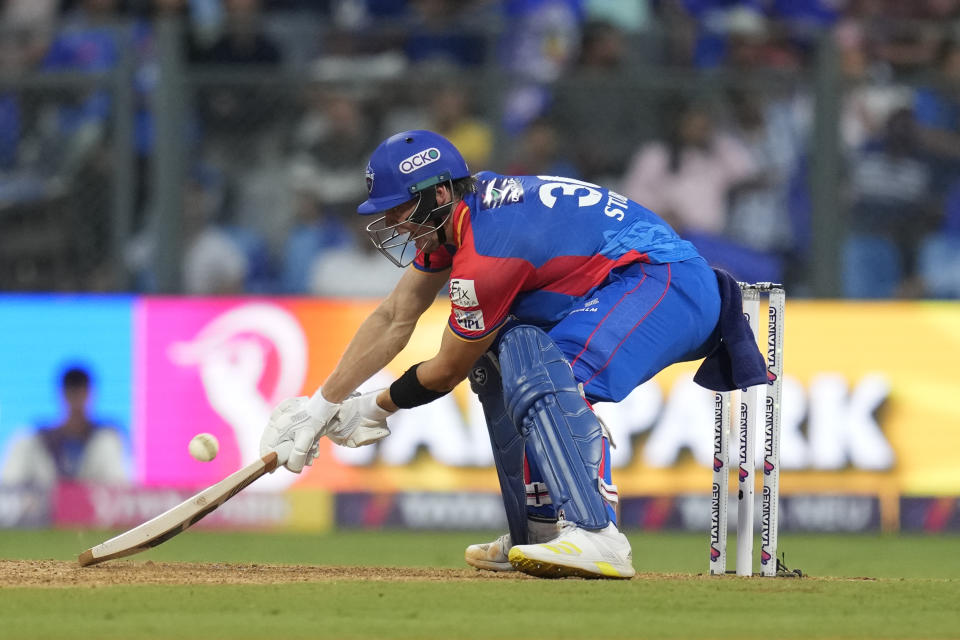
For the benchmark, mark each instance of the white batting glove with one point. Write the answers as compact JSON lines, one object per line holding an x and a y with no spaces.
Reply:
{"x":294,"y":428}
{"x":314,"y":452}
{"x":360,"y":421}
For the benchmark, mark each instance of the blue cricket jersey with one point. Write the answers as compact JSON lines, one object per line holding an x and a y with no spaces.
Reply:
{"x":534,"y":247}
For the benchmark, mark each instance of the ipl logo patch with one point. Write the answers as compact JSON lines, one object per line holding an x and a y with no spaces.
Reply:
{"x":469,"y":320}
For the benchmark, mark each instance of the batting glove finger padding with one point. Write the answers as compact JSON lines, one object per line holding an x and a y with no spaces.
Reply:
{"x":303,"y":441}
{"x":294,"y":428}
{"x":279,"y":424}
{"x":360,"y":421}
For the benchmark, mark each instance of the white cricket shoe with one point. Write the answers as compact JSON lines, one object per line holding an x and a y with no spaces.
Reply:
{"x":490,"y":556}
{"x":493,"y":556}
{"x":583,"y":553}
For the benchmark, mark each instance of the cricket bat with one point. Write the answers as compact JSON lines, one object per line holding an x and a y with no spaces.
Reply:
{"x":181,"y":517}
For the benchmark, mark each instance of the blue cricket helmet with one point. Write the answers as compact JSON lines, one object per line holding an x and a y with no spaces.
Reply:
{"x":406,"y":163}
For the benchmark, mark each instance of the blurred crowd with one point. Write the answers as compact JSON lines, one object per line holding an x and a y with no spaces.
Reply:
{"x":702,"y":110}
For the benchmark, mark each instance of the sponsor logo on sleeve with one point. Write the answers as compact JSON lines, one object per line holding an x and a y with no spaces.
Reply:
{"x":500,"y":192}
{"x":591,"y":306}
{"x":463,"y":293}
{"x":419,"y":160}
{"x":469,"y":320}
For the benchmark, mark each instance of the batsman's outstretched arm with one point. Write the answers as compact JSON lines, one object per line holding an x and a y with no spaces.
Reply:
{"x":437,"y":376}
{"x":385,"y":332}
{"x":297,"y":424}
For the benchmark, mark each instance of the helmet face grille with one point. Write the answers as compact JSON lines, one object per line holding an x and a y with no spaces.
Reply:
{"x":400,"y":246}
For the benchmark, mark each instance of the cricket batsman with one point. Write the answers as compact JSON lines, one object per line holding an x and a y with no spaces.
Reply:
{"x":562,"y":294}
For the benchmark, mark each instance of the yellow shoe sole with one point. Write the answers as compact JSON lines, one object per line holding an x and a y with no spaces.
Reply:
{"x":545,"y":569}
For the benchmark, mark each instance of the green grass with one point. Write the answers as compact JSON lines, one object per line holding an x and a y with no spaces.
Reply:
{"x":564,"y":609}
{"x":876,"y":556}
{"x":916,"y":595}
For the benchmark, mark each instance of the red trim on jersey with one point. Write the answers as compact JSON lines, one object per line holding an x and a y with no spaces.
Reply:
{"x":498,"y":280}
{"x":632,"y":329}
{"x":502,"y":279}
{"x":607,"y":315}
{"x":576,"y":275}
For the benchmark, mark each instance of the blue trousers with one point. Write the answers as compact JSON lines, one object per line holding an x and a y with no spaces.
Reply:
{"x":641,"y":320}
{"x":644,"y":318}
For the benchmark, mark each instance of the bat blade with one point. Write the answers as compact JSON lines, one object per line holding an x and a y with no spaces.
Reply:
{"x":178,"y":519}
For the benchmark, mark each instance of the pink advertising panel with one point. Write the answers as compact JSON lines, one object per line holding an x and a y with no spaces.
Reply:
{"x":215,"y":366}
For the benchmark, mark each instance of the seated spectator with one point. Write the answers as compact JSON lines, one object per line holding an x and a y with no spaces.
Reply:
{"x":891,"y":183}
{"x":543,"y":39}
{"x":712,"y":27}
{"x":219,"y":257}
{"x":940,"y":253}
{"x":871,"y":95}
{"x":328,"y":135}
{"x":215,"y":258}
{"x":759,"y":206}
{"x":680,"y":33}
{"x":86,"y":43}
{"x":599,"y":123}
{"x":77,"y":448}
{"x":901,"y":34}
{"x":32,"y":21}
{"x":76,"y":137}
{"x":938,"y":106}
{"x":145,"y":79}
{"x":243,"y":41}
{"x":20,"y":52}
{"x":213,"y":264}
{"x":754,"y":42}
{"x":231,"y":114}
{"x":441,"y":100}
{"x":439,"y":32}
{"x":688,"y":178}
{"x":541,"y":43}
{"x":450,"y":116}
{"x":315,"y":232}
{"x":333,"y":136}
{"x":537,"y":153}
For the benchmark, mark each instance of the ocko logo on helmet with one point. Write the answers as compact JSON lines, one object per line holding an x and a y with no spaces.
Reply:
{"x":419,"y":159}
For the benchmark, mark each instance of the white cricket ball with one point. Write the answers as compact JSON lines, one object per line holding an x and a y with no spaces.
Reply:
{"x":204,"y":447}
